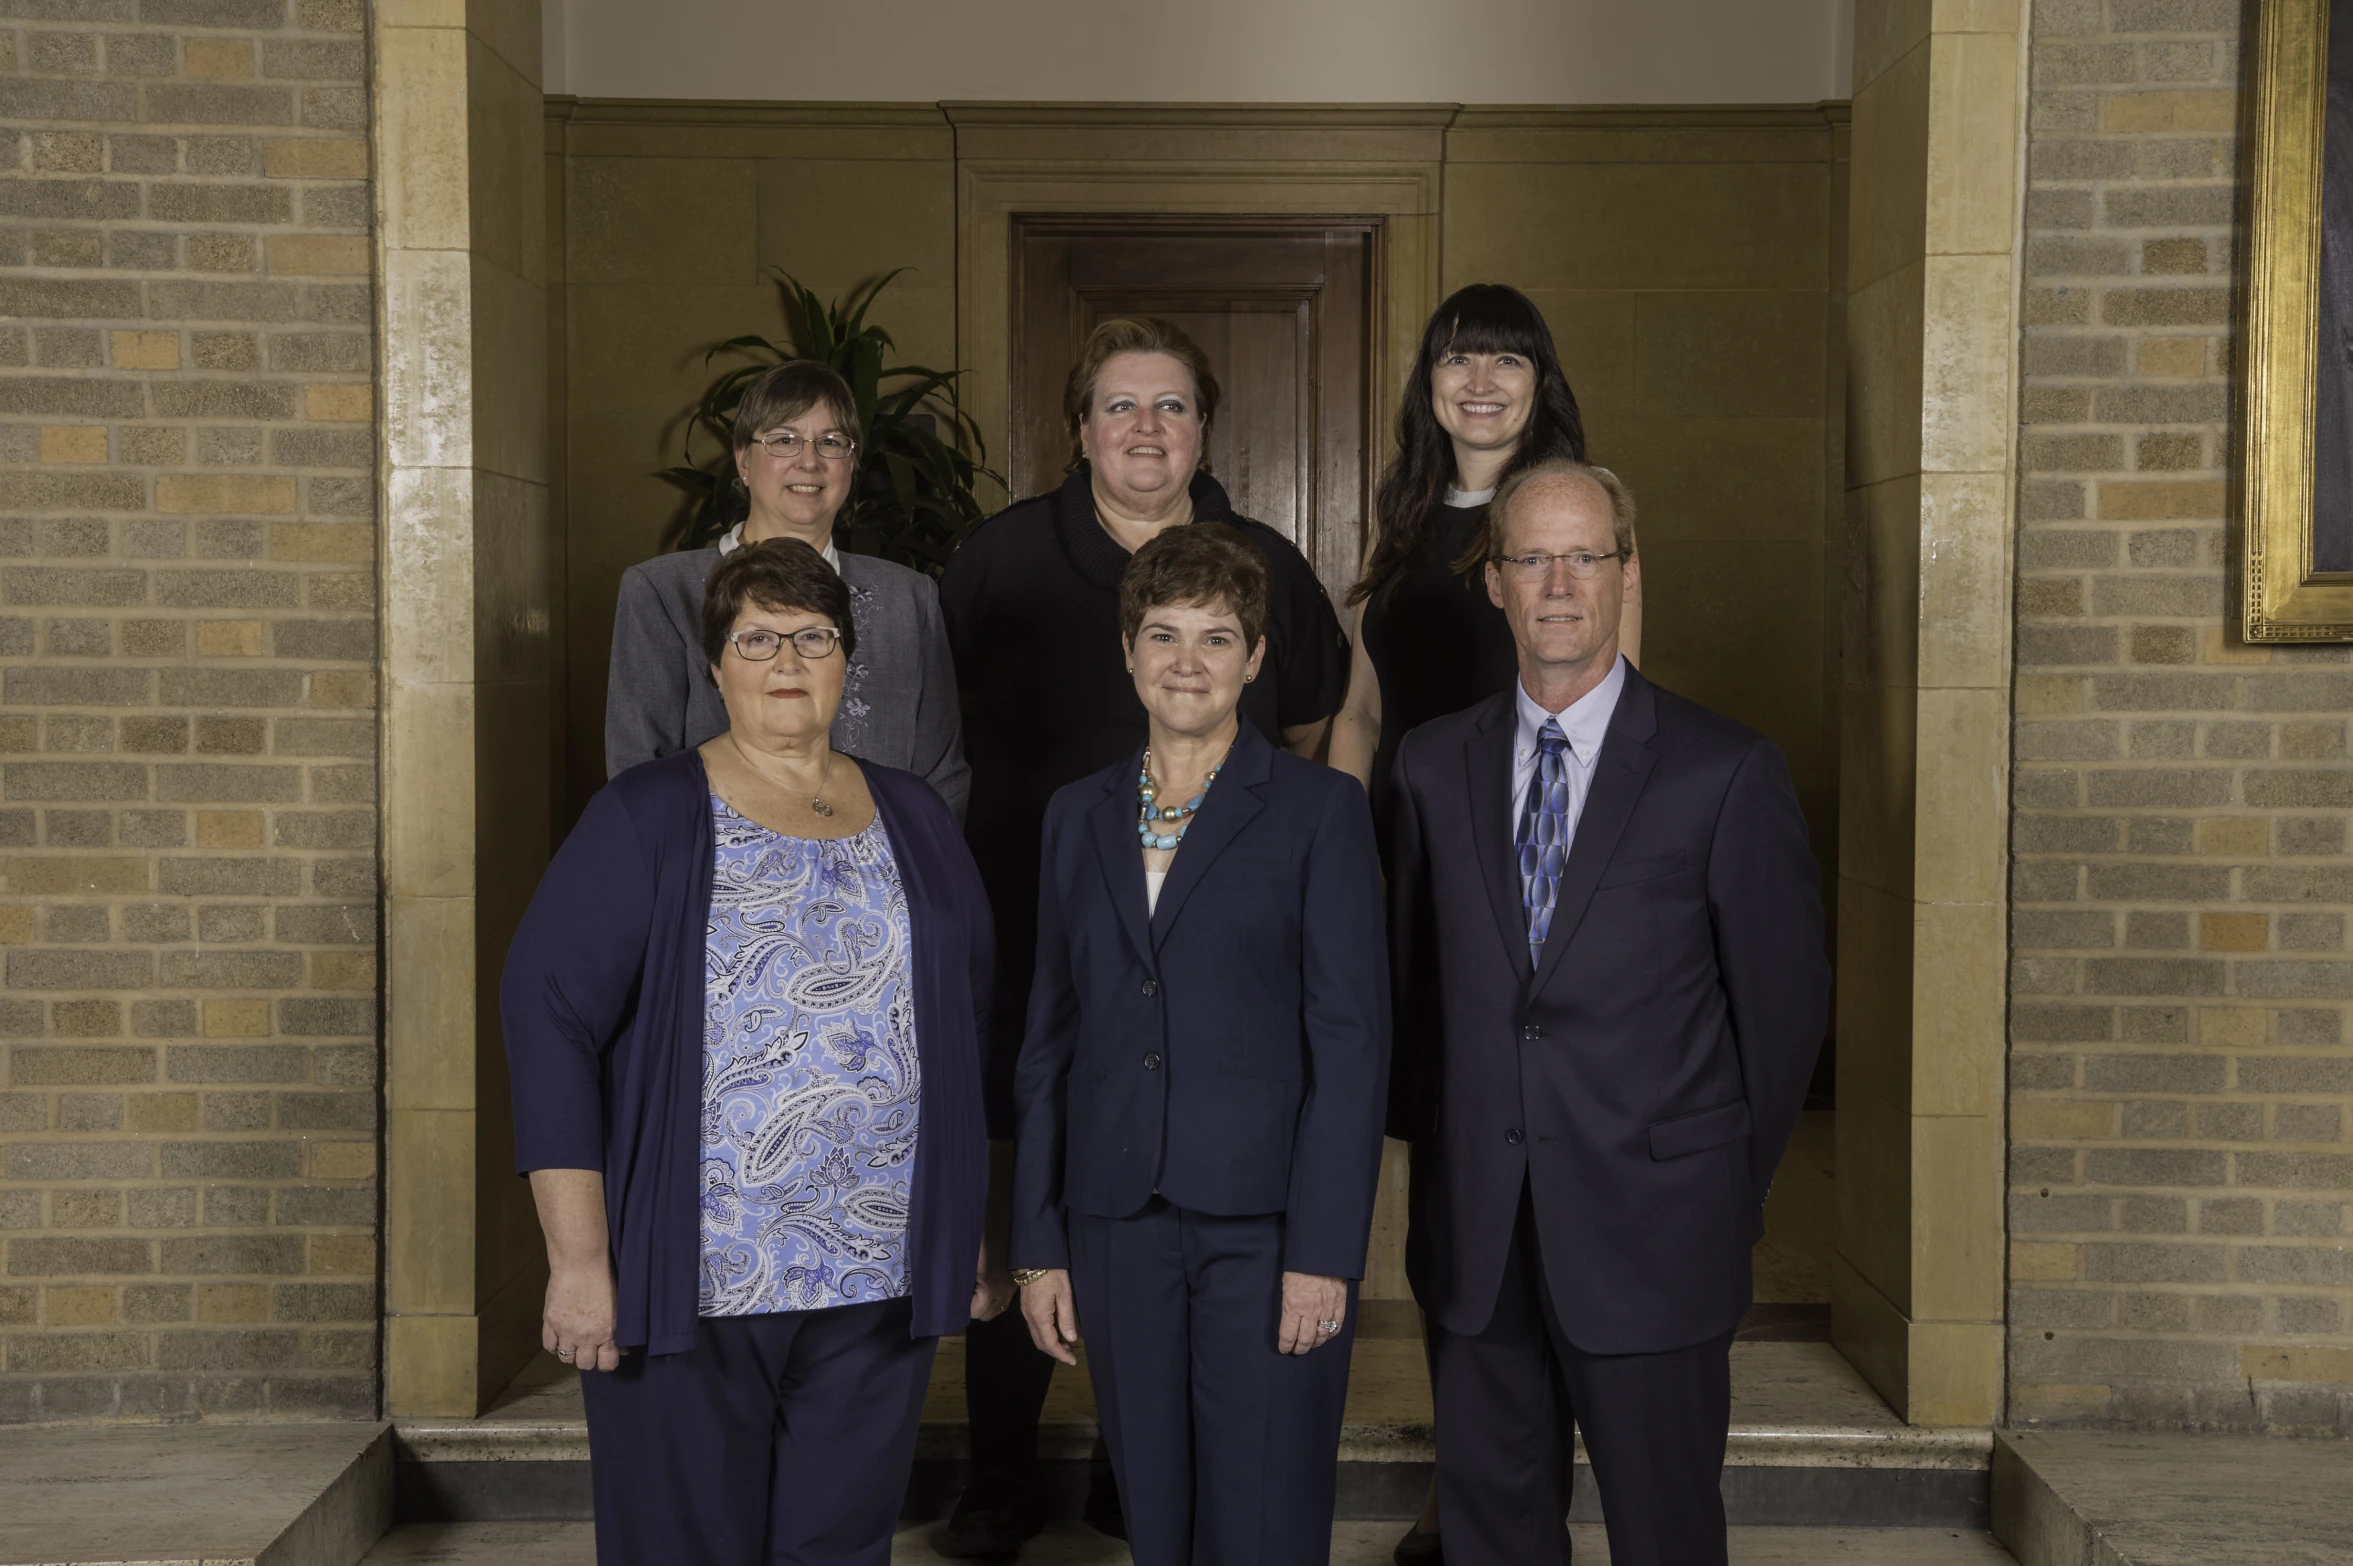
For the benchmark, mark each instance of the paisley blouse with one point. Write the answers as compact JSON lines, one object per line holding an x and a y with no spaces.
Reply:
{"x":810,"y":1074}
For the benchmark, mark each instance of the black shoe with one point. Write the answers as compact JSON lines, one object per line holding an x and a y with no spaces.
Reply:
{"x":995,"y":1516}
{"x":1420,"y":1549}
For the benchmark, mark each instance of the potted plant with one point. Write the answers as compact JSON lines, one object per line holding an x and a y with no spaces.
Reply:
{"x":911,"y":499}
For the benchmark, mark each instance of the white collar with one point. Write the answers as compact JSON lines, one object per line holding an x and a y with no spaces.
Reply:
{"x":1469,"y":497}
{"x":1585,"y":721}
{"x":732,"y":540}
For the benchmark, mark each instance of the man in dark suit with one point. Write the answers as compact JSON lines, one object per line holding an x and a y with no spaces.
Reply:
{"x":1610,"y":992}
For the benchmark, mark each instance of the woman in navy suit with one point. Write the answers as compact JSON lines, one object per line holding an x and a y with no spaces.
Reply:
{"x":1202,"y":1088}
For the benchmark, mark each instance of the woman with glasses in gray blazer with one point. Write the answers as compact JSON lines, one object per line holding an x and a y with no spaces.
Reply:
{"x":796,"y":453}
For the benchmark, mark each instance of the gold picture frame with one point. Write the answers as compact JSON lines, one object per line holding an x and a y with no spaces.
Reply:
{"x":2283,"y":597}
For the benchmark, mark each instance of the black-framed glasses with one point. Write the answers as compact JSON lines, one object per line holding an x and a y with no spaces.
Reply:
{"x":1582,"y":563}
{"x":812,"y":642}
{"x":788,"y":444}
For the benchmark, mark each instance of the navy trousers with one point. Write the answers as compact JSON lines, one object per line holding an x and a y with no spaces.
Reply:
{"x":778,"y":1440}
{"x":1508,"y":1403}
{"x":1226,"y":1449}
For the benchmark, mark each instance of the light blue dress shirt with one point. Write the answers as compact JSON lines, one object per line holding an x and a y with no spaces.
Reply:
{"x":1585,"y":722}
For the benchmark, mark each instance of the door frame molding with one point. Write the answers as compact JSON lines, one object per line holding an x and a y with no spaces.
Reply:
{"x":1122,"y":160}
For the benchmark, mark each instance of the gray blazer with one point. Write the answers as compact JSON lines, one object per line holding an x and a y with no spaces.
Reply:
{"x":899,"y":703}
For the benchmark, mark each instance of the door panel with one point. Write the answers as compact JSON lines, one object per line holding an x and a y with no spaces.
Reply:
{"x":1284,"y":312}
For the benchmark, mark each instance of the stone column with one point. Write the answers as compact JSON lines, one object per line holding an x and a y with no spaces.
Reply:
{"x":462,"y":255}
{"x":1932,"y":328}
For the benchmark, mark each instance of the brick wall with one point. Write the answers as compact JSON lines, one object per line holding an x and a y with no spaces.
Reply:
{"x":2181,"y":1080}
{"x":187,"y":738}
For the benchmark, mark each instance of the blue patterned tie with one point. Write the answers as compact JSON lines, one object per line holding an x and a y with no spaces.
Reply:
{"x":1543,"y":835}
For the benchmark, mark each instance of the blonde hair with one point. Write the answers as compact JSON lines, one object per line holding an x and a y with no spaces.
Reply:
{"x":1132,"y":334}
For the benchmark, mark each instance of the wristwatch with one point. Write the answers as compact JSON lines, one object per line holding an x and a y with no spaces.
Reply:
{"x":1023,"y":1277}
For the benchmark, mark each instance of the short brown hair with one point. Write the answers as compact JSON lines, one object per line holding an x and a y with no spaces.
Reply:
{"x":777,"y":574}
{"x":1133,"y":334}
{"x":1621,"y":500}
{"x":1205,"y":564}
{"x":790,"y":390}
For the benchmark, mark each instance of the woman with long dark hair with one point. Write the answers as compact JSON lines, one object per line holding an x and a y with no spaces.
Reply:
{"x":1486,"y":398}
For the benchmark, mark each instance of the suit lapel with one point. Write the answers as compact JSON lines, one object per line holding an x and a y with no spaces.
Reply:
{"x":1114,"y":821}
{"x":1235,"y":799}
{"x":1619,"y":773}
{"x":1487,"y":765}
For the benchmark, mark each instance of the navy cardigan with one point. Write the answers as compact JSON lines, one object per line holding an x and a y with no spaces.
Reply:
{"x":1228,"y":1051}
{"x":603,"y":1006}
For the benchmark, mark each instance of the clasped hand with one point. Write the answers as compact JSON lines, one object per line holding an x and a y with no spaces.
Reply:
{"x":1308,"y":1302}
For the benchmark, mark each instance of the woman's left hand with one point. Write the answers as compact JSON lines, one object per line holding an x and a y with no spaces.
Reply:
{"x":1308,"y":1303}
{"x":992,"y":1289}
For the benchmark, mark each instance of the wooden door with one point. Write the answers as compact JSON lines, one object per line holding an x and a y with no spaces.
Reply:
{"x":1283,"y":308}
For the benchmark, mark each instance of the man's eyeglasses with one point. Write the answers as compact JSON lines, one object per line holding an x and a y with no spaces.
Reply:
{"x":1581,"y":563}
{"x":787,"y":444}
{"x":816,"y":641}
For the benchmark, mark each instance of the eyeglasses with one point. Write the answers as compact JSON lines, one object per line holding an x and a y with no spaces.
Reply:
{"x":1582,"y":563}
{"x":816,"y":641}
{"x":788,"y":444}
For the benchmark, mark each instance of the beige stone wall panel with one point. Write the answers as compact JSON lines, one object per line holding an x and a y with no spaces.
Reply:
{"x":1924,"y":802}
{"x":468,"y":698}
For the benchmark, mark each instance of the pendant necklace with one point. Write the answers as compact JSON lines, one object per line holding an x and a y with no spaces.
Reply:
{"x":1163,"y":826}
{"x":817,"y":802}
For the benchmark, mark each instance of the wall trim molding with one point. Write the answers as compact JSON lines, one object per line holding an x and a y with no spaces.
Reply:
{"x":859,"y":114}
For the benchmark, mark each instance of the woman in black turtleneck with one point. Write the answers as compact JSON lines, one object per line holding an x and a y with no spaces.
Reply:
{"x":1486,"y":396}
{"x":1032,"y":608}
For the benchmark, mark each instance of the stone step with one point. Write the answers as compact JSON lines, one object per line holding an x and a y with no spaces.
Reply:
{"x":1810,"y":1444}
{"x":1074,"y":1544}
{"x":222,"y":1494}
{"x":2067,"y":1498}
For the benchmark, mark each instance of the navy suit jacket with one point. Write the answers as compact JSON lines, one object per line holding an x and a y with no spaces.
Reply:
{"x":602,"y":1005}
{"x":1229,"y":1052}
{"x":1643,"y":1079}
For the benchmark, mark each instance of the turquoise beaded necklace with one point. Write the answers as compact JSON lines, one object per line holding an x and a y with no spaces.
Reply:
{"x":1152,"y":818}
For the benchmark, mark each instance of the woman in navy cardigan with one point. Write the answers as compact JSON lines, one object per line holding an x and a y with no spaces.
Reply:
{"x":744,"y":1019}
{"x":1203,"y":1085}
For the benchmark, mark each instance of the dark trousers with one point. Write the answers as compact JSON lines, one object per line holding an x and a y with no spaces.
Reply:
{"x":1005,"y":1382}
{"x":1508,"y":1401}
{"x":1227,"y":1449}
{"x":777,"y":1440}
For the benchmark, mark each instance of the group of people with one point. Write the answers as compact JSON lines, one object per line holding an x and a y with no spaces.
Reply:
{"x":1075,"y":930}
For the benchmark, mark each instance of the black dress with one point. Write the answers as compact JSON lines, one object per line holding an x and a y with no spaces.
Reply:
{"x":1032,"y":606}
{"x":1437,"y":642}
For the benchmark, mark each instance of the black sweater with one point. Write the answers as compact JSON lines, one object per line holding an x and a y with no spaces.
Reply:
{"x":1032,"y":606}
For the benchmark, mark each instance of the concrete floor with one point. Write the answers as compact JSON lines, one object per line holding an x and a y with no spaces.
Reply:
{"x":1074,"y":1544}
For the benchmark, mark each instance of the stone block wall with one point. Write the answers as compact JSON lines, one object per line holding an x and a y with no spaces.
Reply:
{"x":2181,"y":1086}
{"x":188,"y":1106}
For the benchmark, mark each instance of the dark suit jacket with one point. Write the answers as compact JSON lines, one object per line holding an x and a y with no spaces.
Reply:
{"x":1645,"y":1079}
{"x":1231,"y":1053}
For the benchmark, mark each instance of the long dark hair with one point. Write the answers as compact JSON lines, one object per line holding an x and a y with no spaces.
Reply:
{"x":1483,"y":318}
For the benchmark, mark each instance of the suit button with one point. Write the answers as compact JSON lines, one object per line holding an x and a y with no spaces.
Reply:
{"x":1531,"y":1033}
{"x":1151,"y":1062}
{"x":1513,"y":1137}
{"x":1151,"y":986}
